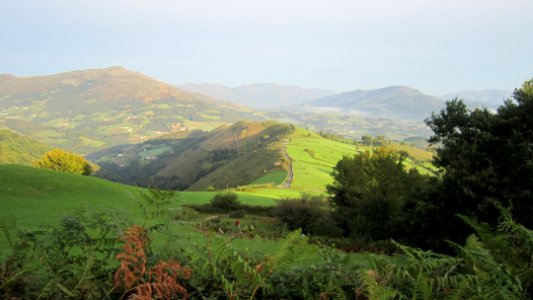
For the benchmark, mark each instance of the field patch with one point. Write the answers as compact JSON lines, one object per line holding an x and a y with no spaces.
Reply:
{"x":273,"y":178}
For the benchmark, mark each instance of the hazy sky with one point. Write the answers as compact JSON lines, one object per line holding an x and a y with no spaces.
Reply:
{"x":434,"y":46}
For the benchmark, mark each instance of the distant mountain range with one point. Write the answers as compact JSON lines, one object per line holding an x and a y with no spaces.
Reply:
{"x":397,"y":102}
{"x":259,"y":96}
{"x":485,"y":98}
{"x":89,"y":110}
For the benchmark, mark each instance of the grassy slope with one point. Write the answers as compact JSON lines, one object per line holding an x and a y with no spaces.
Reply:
{"x":313,"y":159}
{"x":18,"y":149}
{"x":315,"y":156}
{"x":228,"y":156}
{"x":35,"y":198}
{"x":274,"y":178}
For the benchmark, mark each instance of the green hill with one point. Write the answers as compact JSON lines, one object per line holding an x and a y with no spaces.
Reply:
{"x":35,"y":197}
{"x":313,"y":158}
{"x":19,"y":149}
{"x":88,"y":110}
{"x":246,"y":153}
{"x":225,"y":157}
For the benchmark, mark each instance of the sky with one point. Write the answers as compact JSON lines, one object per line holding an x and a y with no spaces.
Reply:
{"x":431,"y":45}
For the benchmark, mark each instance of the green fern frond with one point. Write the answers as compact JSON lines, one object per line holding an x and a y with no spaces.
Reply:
{"x":283,"y":255}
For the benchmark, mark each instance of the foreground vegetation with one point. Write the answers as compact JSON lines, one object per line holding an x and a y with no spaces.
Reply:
{"x":463,"y":234}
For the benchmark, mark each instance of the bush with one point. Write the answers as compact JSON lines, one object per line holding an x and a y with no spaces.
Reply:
{"x":64,"y":161}
{"x":308,"y":213}
{"x":225,"y":202}
{"x":239,"y":214}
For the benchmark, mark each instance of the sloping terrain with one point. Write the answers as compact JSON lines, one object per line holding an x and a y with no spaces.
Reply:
{"x":260,"y":96}
{"x":225,"y":157}
{"x":314,"y":157}
{"x":34,"y":197}
{"x":397,"y":102}
{"x":19,"y":149}
{"x":89,"y":110}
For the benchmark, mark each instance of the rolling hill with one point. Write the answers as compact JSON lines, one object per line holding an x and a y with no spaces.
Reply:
{"x":89,"y":110}
{"x":395,"y":102}
{"x":245,"y":153}
{"x":19,"y":149}
{"x":225,"y":157}
{"x":34,"y":197}
{"x":259,"y":96}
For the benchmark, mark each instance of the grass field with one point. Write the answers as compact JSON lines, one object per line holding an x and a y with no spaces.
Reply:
{"x":314,"y":157}
{"x":274,"y":178}
{"x":35,"y":198}
{"x":313,"y":160}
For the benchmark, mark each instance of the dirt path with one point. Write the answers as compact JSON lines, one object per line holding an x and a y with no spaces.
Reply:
{"x":288,"y":181}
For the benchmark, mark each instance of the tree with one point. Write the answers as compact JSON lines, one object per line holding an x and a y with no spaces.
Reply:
{"x":370,"y":192}
{"x":64,"y":161}
{"x":487,"y":158}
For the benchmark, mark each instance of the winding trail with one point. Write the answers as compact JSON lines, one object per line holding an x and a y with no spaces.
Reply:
{"x":290,"y":175}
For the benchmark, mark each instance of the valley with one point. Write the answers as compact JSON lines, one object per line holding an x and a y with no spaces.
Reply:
{"x":238,"y":202}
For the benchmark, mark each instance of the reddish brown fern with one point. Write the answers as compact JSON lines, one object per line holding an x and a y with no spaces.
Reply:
{"x":133,"y":257}
{"x":161,"y":281}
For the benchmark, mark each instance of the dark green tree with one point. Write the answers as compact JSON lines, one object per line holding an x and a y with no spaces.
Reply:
{"x":487,"y":158}
{"x":370,"y":192}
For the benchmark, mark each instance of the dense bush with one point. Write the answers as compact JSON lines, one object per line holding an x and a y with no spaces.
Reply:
{"x":64,"y":161}
{"x":310,"y":213}
{"x":225,"y":202}
{"x":228,"y":202}
{"x":494,"y":263}
{"x":372,"y":193}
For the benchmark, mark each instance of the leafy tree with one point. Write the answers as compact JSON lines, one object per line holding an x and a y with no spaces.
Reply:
{"x":370,"y":192}
{"x":64,"y":161}
{"x":487,"y":158}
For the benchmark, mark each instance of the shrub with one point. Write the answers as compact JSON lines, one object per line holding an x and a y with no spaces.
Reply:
{"x":64,"y":161}
{"x":238,"y":214}
{"x":308,"y":212}
{"x":225,"y":202}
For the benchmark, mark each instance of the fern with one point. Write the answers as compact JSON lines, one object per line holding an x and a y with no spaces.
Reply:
{"x":283,"y":255}
{"x":161,"y":280}
{"x":154,"y":204}
{"x":496,"y":263}
{"x":375,"y":288}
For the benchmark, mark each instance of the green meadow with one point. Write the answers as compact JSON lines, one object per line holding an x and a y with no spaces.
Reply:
{"x":34,"y":198}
